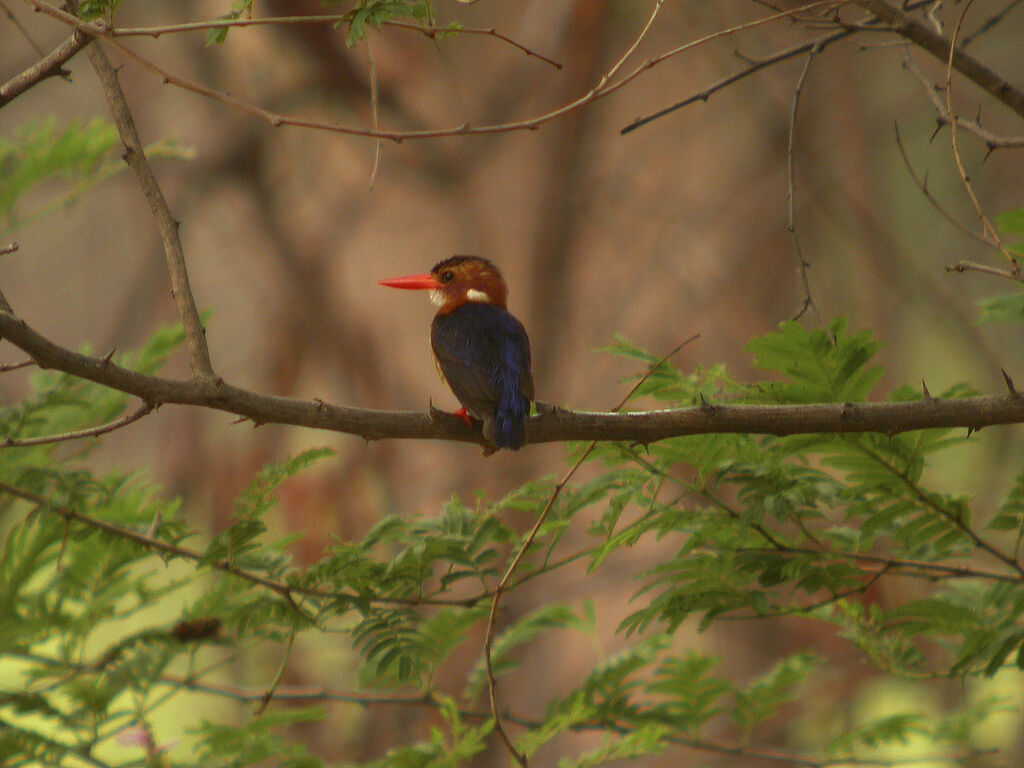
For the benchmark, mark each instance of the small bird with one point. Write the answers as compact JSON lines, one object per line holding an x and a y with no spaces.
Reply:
{"x":481,"y":350}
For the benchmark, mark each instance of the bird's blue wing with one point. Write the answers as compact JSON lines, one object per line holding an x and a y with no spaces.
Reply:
{"x":484,"y":354}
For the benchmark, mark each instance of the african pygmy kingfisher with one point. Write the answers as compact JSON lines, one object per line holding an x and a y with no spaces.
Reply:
{"x":481,"y":350}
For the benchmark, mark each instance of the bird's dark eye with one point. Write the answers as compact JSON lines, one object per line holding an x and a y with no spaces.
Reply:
{"x":447,"y":276}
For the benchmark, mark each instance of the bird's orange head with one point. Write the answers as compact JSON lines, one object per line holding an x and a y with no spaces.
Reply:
{"x":456,"y":281}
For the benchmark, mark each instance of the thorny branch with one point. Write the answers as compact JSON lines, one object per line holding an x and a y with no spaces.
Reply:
{"x":552,"y":424}
{"x":905,"y":25}
{"x":433,"y":32}
{"x":988,"y":230}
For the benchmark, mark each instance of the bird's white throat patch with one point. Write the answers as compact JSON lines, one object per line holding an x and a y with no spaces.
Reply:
{"x":474,"y":295}
{"x":436,"y":298}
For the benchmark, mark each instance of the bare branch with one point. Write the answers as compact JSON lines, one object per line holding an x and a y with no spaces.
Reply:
{"x":973,"y":266}
{"x":991,"y":140}
{"x":16,"y":366}
{"x":987,"y":228}
{"x":103,"y":429}
{"x":754,"y":66}
{"x":433,"y":32}
{"x":48,"y":66}
{"x":938,"y":46}
{"x":135,"y":156}
{"x":922,"y":184}
{"x":605,"y":86}
{"x":802,"y":263}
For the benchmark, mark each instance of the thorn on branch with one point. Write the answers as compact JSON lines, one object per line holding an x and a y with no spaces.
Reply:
{"x":924,"y":389}
{"x":1009,"y":383}
{"x":705,"y":406}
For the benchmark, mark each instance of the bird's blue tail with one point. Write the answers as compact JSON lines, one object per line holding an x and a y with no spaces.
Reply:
{"x":510,"y":421}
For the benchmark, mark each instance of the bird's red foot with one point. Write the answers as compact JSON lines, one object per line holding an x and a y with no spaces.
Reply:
{"x":464,"y":415}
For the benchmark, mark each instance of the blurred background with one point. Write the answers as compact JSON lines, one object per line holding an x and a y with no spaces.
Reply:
{"x":677,"y":228}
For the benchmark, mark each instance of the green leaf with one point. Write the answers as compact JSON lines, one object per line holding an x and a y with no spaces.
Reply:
{"x":1006,"y":307}
{"x":821,"y":365}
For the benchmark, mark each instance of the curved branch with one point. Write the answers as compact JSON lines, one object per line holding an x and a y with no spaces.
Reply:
{"x":553,"y":424}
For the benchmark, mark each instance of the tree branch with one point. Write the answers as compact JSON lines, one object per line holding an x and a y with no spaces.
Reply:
{"x":553,"y":424}
{"x":135,"y":156}
{"x":102,"y":429}
{"x":604,"y":87}
{"x":938,"y":46}
{"x":48,"y":66}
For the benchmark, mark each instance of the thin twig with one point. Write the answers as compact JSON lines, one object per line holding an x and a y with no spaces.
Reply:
{"x":16,"y":366}
{"x":990,"y":23}
{"x":604,"y":87}
{"x":268,"y":695}
{"x":378,"y":145}
{"x":802,"y":263}
{"x":991,"y":140}
{"x":21,"y":28}
{"x":499,"y":590}
{"x":433,"y":32}
{"x":922,"y":184}
{"x":754,"y":66}
{"x":135,"y":156}
{"x":932,"y":570}
{"x":10,"y":442}
{"x":987,"y":228}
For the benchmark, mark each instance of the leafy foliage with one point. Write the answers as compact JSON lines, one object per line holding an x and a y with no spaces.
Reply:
{"x":749,"y":528}
{"x":374,"y":13}
{"x":79,"y":156}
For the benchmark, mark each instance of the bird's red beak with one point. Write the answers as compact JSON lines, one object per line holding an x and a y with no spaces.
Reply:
{"x":412,"y":282}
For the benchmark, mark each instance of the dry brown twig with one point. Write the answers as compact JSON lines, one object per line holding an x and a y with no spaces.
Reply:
{"x":922,"y":184}
{"x":430,"y":31}
{"x":604,"y":87}
{"x":802,"y":264}
{"x":989,"y":231}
